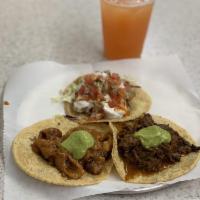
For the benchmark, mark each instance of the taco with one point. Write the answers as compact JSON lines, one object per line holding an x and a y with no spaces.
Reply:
{"x":152,"y":149}
{"x":61,"y":152}
{"x":104,"y":96}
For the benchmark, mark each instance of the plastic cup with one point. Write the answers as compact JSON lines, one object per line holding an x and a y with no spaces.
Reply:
{"x":125,"y":24}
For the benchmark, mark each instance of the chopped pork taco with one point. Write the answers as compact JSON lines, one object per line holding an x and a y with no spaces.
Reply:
{"x":105,"y":96}
{"x":152,"y":149}
{"x":61,"y":152}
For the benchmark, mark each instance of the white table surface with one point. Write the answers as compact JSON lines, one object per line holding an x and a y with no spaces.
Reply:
{"x":69,"y":31}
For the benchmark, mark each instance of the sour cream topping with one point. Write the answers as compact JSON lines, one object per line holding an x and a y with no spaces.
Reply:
{"x":113,"y":113}
{"x":81,"y":106}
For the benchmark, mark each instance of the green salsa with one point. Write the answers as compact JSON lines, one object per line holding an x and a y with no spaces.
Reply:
{"x":78,"y":143}
{"x":152,"y":136}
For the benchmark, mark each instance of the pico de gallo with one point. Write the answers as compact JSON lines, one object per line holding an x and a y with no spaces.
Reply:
{"x":100,"y":95}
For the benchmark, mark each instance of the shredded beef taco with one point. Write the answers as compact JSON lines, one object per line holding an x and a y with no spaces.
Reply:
{"x":152,"y":149}
{"x":61,"y":152}
{"x":104,"y":96}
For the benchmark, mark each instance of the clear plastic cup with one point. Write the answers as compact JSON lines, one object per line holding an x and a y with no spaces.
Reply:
{"x":125,"y":24}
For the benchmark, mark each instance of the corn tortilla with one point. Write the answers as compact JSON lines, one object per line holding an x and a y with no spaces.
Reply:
{"x":35,"y":166}
{"x":173,"y":171}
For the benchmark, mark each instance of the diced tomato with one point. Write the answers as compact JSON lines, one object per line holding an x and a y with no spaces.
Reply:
{"x":111,"y":94}
{"x":100,"y":97}
{"x":114,"y":79}
{"x":115,"y":76}
{"x":121,"y":92}
{"x":89,"y":79}
{"x":117,"y":103}
{"x":114,"y":97}
{"x":81,"y":90}
{"x":93,"y":92}
{"x":117,"y":94}
{"x":112,"y":103}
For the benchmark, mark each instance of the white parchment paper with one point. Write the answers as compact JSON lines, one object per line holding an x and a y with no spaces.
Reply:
{"x":31,"y":87}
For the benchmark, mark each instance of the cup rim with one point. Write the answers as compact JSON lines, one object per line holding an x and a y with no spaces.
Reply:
{"x":129,"y":6}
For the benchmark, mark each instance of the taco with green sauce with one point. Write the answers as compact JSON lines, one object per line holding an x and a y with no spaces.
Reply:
{"x":152,"y":149}
{"x":104,"y":96}
{"x":61,"y":152}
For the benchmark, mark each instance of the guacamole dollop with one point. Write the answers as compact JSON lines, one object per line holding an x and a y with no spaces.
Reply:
{"x":152,"y":136}
{"x":78,"y":143}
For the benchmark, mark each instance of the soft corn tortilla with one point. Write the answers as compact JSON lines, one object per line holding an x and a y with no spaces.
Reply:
{"x":139,"y":104}
{"x":35,"y":166}
{"x":185,"y":165}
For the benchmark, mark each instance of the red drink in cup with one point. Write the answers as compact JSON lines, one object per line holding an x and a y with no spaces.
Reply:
{"x":125,"y":23}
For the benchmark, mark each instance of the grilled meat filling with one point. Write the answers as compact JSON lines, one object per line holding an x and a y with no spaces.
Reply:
{"x":152,"y":159}
{"x":47,"y":145}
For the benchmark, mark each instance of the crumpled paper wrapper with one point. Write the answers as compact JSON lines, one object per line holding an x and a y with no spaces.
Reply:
{"x":29,"y":92}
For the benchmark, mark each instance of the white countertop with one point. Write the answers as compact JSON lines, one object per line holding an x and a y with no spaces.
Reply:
{"x":70,"y":32}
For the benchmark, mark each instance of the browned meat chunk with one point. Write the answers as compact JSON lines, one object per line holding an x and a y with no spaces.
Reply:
{"x":95,"y":159}
{"x":48,"y":146}
{"x":46,"y":143}
{"x":68,"y":166}
{"x":94,"y":165}
{"x":50,"y":134}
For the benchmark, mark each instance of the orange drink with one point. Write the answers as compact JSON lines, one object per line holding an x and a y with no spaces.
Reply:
{"x":125,"y":23}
